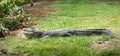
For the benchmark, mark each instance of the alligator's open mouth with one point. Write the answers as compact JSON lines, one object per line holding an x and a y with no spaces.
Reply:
{"x":28,"y":32}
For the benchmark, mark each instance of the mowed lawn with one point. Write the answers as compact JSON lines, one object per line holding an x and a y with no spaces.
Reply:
{"x":76,"y":14}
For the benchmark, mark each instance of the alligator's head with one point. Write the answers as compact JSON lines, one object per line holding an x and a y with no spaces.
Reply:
{"x":33,"y":32}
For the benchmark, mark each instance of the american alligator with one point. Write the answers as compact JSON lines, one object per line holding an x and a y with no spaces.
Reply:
{"x":65,"y":32}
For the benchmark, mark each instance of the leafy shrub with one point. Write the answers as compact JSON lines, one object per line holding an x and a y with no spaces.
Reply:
{"x":2,"y":31}
{"x":5,"y":5}
{"x":10,"y":23}
{"x":16,"y":22}
{"x":11,"y":15}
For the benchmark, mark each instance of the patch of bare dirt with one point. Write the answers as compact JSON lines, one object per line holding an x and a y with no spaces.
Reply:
{"x":113,"y":45}
{"x":101,"y":46}
{"x":39,"y":10}
{"x":116,"y":44}
{"x":18,"y":33}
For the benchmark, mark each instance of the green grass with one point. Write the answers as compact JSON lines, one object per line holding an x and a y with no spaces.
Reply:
{"x":80,"y":14}
{"x":67,"y":46}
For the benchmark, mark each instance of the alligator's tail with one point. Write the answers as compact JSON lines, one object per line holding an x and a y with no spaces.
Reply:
{"x":109,"y":33}
{"x":106,"y":31}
